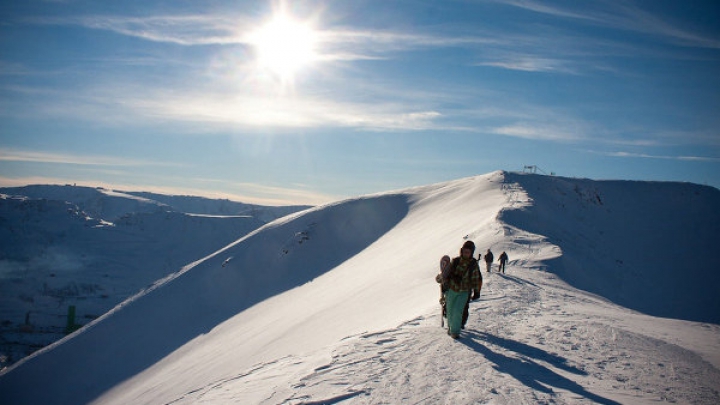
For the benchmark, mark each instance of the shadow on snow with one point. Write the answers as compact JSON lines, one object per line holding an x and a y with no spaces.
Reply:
{"x":525,"y":367}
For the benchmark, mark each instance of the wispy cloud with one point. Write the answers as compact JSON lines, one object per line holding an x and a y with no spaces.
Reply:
{"x":264,"y":194}
{"x":221,"y":104}
{"x":621,"y":15}
{"x":345,"y":44}
{"x":532,"y":64}
{"x":177,"y":29}
{"x":239,"y":105}
{"x":289,"y":112}
{"x":638,"y":136}
{"x":538,"y":132}
{"x":14,"y":155}
{"x":664,"y":157}
{"x":514,"y":117}
{"x":342,"y":44}
{"x":373,"y":42}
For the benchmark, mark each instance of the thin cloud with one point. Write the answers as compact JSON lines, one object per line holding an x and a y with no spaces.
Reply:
{"x":359,"y":44}
{"x":532,"y":64}
{"x":177,"y":29}
{"x":647,"y":137}
{"x":636,"y":19}
{"x":192,"y":30}
{"x":392,"y":40}
{"x":519,"y":119}
{"x":253,"y":110}
{"x":12,"y":155}
{"x":664,"y":157}
{"x":232,"y":107}
{"x":537,"y":132}
{"x":623,"y":16}
{"x":275,"y":195}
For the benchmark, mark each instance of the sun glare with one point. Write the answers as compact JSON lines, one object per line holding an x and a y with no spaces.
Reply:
{"x":284,"y":45}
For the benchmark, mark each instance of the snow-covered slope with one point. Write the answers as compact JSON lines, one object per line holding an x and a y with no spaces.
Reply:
{"x":644,"y":245}
{"x":65,"y":246}
{"x":339,"y":303}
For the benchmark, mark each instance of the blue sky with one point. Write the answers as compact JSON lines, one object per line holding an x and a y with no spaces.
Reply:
{"x":360,"y":97}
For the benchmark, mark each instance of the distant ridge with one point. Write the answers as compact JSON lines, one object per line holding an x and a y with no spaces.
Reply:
{"x":111,"y":204}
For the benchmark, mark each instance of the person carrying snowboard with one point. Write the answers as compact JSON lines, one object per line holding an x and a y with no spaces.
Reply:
{"x":462,"y":277}
{"x":503,"y":258}
{"x":489,"y":259}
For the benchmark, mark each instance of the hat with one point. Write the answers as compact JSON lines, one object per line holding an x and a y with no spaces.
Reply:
{"x":468,"y":245}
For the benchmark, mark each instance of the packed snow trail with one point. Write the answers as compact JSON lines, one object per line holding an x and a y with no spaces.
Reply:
{"x":529,"y":340}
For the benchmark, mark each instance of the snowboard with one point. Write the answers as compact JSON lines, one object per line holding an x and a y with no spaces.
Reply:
{"x":444,"y":262}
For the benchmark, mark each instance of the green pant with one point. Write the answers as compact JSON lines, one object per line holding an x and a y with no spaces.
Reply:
{"x":455,"y":304}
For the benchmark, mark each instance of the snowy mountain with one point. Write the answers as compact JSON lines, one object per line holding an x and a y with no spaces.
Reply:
{"x":89,"y":248}
{"x":338,"y":304}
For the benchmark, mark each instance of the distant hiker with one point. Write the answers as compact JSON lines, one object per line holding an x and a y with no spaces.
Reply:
{"x":489,"y":259}
{"x":502,"y":260}
{"x":464,"y":282}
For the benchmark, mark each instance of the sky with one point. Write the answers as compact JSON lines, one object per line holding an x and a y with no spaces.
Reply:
{"x":308,"y":102}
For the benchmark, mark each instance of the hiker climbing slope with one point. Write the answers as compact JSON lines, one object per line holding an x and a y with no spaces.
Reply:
{"x":462,"y":280}
{"x":503,"y":259}
{"x":489,"y":259}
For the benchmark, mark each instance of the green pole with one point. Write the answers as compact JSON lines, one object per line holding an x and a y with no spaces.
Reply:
{"x":70,"y":328}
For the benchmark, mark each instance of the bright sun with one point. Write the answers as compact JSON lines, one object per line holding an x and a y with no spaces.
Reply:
{"x":284,"y":45}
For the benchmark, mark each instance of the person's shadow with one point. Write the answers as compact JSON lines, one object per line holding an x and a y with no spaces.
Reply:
{"x":525,"y":369}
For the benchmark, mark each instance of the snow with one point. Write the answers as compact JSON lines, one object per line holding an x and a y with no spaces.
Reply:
{"x":338,"y":304}
{"x":93,"y":248}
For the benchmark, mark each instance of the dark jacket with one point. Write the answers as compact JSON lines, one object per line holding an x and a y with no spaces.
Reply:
{"x":464,"y":275}
{"x":489,"y":257}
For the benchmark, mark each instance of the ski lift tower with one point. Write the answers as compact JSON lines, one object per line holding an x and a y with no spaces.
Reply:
{"x":534,"y":169}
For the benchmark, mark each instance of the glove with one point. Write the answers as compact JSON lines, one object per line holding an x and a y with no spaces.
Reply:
{"x":475,"y":295}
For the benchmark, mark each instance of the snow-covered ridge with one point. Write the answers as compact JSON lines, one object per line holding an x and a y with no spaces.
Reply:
{"x":338,"y":303}
{"x":644,"y":245}
{"x":111,"y":204}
